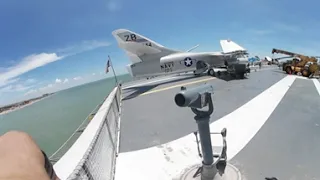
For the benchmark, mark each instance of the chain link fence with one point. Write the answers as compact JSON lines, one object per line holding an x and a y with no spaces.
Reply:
{"x":74,"y":136}
{"x":93,"y":155}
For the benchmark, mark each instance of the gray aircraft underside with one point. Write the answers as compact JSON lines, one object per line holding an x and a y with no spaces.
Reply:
{"x":151,"y":59}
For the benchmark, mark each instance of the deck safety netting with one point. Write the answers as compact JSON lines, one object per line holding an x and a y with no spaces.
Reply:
{"x":98,"y":163}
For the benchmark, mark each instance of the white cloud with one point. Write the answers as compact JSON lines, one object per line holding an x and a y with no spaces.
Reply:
{"x":31,"y":91}
{"x":20,"y":87}
{"x":58,"y":80}
{"x":93,"y":74}
{"x":287,"y":27}
{"x":30,"y":81}
{"x":113,"y":5}
{"x":58,"y":85}
{"x":46,"y":87}
{"x":77,"y":78}
{"x":14,"y":88}
{"x":7,"y":82}
{"x":261,"y":31}
{"x":65,"y":80}
{"x":34,"y":61}
{"x":9,"y":76}
{"x":63,"y":84}
{"x":5,"y":89}
{"x":27,"y":64}
{"x":2,"y":69}
{"x":82,"y":47}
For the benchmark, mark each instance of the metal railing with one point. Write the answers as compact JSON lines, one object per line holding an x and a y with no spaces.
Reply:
{"x":74,"y":136}
{"x":93,"y":155}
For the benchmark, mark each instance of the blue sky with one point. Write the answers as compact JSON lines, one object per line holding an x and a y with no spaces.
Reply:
{"x":51,"y":45}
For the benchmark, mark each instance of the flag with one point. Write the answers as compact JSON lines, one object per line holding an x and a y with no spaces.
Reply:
{"x":107,"y":66}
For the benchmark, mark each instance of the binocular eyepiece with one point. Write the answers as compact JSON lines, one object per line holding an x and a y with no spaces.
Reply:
{"x":193,"y":97}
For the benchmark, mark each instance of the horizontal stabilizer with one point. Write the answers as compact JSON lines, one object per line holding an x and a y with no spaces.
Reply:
{"x":133,"y":58}
{"x":229,"y":46}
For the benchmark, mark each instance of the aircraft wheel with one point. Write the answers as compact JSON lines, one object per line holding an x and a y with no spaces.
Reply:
{"x":288,"y":70}
{"x":211,"y":72}
{"x":195,"y":74}
{"x":305,"y":73}
{"x":233,"y":75}
{"x":241,"y":76}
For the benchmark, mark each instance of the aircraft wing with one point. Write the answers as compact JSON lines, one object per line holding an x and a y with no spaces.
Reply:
{"x":229,"y":46}
{"x":133,"y":57}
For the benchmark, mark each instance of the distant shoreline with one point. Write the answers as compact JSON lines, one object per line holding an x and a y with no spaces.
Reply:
{"x":20,"y":105}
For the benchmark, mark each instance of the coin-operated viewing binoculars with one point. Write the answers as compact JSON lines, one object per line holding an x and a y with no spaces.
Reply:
{"x":197,"y":98}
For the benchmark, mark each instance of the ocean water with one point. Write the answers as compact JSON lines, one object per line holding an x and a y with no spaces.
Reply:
{"x":52,"y":120}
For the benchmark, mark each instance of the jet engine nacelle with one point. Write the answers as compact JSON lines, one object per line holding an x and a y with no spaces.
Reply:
{"x":190,"y":59}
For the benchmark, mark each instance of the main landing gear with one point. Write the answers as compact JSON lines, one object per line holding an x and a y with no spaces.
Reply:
{"x":235,"y":71}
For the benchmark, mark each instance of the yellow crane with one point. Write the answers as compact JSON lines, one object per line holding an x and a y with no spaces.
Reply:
{"x":306,"y":65}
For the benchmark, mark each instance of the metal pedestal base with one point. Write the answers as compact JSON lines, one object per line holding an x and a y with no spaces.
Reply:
{"x":230,"y":173}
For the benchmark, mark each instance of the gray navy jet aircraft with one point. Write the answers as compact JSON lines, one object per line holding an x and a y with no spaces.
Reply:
{"x":152,"y":59}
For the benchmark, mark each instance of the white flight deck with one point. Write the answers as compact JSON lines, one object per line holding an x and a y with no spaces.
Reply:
{"x":168,"y":160}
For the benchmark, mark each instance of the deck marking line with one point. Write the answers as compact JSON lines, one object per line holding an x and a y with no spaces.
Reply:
{"x":317,"y":84}
{"x":149,"y":82}
{"x":301,"y":77}
{"x":243,"y":123}
{"x":168,"y":161}
{"x":177,"y":85}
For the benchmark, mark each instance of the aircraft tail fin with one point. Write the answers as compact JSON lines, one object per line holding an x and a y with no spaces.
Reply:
{"x":229,"y":46}
{"x":137,"y":45}
{"x":268,"y":58}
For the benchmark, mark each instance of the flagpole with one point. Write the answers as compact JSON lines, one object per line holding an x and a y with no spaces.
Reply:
{"x":114,"y":73}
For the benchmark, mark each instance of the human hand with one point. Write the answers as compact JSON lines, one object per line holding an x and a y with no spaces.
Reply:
{"x":21,"y":158}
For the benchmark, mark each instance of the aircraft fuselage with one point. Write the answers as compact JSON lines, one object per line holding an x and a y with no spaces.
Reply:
{"x":177,"y":63}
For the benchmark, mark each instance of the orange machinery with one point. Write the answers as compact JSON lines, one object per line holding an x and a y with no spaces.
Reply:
{"x":305,"y":65}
